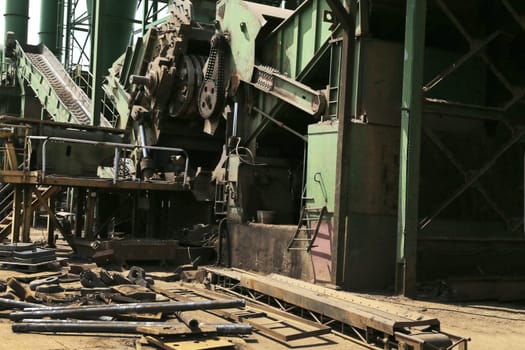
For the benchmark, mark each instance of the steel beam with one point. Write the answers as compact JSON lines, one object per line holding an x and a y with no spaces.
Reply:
{"x":409,"y":156}
{"x":344,"y":116}
{"x":516,"y":137}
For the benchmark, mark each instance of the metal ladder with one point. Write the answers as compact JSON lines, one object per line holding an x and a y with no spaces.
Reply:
{"x":220,"y":207}
{"x":305,"y":233}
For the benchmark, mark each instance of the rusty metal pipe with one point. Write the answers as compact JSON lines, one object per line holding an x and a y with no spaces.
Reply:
{"x":32,"y":325}
{"x":112,"y":310}
{"x":15,"y":304}
{"x":189,"y":319}
{"x":85,"y":326}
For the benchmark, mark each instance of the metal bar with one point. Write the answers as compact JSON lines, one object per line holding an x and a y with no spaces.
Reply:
{"x":142,"y":140}
{"x":280,"y":124}
{"x":448,"y":154}
{"x":15,"y":304}
{"x":475,"y":49}
{"x":514,"y":14}
{"x":36,"y":325}
{"x":111,"y":310}
{"x":454,"y":20}
{"x":515,"y":138}
{"x":471,"y":42}
{"x":410,"y":146}
{"x":115,"y":165}
{"x":17,"y":204}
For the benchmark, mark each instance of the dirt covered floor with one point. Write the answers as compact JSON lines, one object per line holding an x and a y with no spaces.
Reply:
{"x":490,"y":325}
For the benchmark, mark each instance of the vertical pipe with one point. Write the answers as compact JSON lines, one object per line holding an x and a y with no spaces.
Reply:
{"x":48,"y":33}
{"x":16,"y":19}
{"x":143,"y":141}
{"x":17,"y":208}
{"x":115,"y":17}
{"x":69,"y":33}
{"x":235,"y":118}
{"x":26,"y":214}
{"x":51,"y":223}
{"x":410,"y":143}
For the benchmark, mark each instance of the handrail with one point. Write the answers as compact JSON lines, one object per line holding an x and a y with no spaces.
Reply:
{"x":116,"y":145}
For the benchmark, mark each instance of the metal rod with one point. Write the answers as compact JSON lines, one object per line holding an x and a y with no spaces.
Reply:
{"x":9,"y":303}
{"x":143,"y":141}
{"x":235,"y":117}
{"x":189,"y":319}
{"x":280,"y":124}
{"x":111,"y":310}
{"x":124,"y":327}
{"x":115,"y":165}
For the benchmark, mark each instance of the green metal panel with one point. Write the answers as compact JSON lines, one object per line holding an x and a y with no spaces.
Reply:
{"x":49,"y":24}
{"x":16,"y":19}
{"x":320,"y":169}
{"x":409,"y":157}
{"x":298,"y":39}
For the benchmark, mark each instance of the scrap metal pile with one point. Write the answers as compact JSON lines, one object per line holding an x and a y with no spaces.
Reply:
{"x":26,"y":255}
{"x":88,"y":299}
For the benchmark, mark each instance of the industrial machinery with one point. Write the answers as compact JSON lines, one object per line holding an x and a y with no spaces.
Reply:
{"x":362,"y":144}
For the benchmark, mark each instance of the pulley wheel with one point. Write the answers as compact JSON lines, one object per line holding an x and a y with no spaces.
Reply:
{"x":208,"y":99}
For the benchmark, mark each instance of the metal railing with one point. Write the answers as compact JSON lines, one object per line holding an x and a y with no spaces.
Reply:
{"x":84,"y":79}
{"x":117,"y":147}
{"x":7,"y":74}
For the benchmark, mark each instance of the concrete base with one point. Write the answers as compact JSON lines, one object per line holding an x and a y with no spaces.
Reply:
{"x":263,"y":248}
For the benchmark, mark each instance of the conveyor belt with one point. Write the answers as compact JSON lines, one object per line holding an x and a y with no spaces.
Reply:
{"x":58,"y":93}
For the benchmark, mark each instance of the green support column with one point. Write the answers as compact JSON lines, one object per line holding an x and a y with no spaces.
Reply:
{"x":409,"y":162}
{"x":342,"y":184}
{"x":112,"y":30}
{"x":49,"y":25}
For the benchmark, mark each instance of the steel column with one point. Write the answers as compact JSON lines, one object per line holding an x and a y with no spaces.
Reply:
{"x":27,"y":213}
{"x":344,"y":116}
{"x":409,"y":156}
{"x":51,"y":223}
{"x":17,"y":207}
